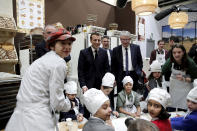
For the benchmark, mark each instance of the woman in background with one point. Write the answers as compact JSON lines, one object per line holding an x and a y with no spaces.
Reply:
{"x":181,"y":70}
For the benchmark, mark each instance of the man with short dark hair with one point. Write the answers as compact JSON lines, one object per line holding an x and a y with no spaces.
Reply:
{"x":105,"y":40}
{"x":159,"y":53}
{"x":92,"y":64}
{"x":172,"y":41}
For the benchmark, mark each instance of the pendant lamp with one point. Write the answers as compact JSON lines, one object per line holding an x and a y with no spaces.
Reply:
{"x":144,"y":7}
{"x":178,"y":20}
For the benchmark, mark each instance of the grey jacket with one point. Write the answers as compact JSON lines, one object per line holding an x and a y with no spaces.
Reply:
{"x":97,"y":124}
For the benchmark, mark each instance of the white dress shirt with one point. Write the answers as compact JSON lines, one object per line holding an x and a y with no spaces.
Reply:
{"x":93,"y":50}
{"x":130,"y":67}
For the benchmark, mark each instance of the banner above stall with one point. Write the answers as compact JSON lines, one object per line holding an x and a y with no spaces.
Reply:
{"x":30,"y":14}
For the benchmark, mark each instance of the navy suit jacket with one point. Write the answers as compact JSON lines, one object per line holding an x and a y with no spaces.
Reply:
{"x":41,"y":49}
{"x":90,"y":71}
{"x":117,"y":61}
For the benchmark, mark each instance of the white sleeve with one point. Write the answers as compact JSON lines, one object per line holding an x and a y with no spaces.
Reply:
{"x":56,"y":87}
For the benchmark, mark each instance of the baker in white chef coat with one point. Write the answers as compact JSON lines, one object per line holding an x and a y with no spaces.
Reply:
{"x":41,"y":89}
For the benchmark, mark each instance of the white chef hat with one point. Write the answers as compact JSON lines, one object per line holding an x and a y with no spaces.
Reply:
{"x":161,"y":96}
{"x":127,"y":79}
{"x":155,"y":66}
{"x":94,"y":99}
{"x":192,"y":95}
{"x":195,"y":83}
{"x":71,"y":87}
{"x":108,"y":80}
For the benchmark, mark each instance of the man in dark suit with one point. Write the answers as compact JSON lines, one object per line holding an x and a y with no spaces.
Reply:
{"x":126,"y":61}
{"x":92,"y":64}
{"x":105,"y":40}
{"x":106,"y":45}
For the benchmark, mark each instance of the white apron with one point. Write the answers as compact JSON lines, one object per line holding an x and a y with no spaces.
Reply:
{"x":161,"y":57}
{"x":129,"y":105}
{"x":178,"y":89}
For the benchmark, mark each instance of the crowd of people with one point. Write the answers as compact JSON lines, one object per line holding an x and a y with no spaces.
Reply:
{"x":44,"y":90}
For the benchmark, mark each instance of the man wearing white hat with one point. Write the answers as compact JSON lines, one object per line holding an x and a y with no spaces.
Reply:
{"x":98,"y":105}
{"x":76,"y":113}
{"x":189,"y":122}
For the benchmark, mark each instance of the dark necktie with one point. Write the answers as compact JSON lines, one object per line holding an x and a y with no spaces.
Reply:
{"x":96,"y":54}
{"x":127,"y":63}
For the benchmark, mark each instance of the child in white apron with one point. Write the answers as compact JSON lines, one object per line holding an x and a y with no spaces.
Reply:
{"x":128,"y":100}
{"x":155,"y":77}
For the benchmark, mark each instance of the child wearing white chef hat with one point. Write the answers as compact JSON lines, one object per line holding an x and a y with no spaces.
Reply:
{"x":98,"y":105}
{"x":128,"y":101}
{"x":107,"y":87}
{"x":189,"y":122}
{"x":158,"y":99}
{"x":76,"y":113}
{"x":155,"y":77}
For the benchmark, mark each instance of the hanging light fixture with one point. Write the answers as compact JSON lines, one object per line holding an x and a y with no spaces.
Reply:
{"x":144,"y":7}
{"x":178,"y":20}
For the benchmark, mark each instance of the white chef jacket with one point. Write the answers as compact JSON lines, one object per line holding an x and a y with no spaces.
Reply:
{"x":41,"y":88}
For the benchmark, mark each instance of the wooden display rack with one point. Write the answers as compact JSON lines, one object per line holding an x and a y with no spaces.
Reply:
{"x":7,"y":33}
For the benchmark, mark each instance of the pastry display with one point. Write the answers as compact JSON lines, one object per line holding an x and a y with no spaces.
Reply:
{"x":6,"y":22}
{"x":7,"y":51}
{"x":3,"y":54}
{"x":11,"y":54}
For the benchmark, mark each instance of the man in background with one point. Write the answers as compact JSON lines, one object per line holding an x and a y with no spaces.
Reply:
{"x":126,"y":61}
{"x":106,"y":45}
{"x":41,"y":48}
{"x":159,"y":53}
{"x":92,"y":64}
{"x":172,"y":41}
